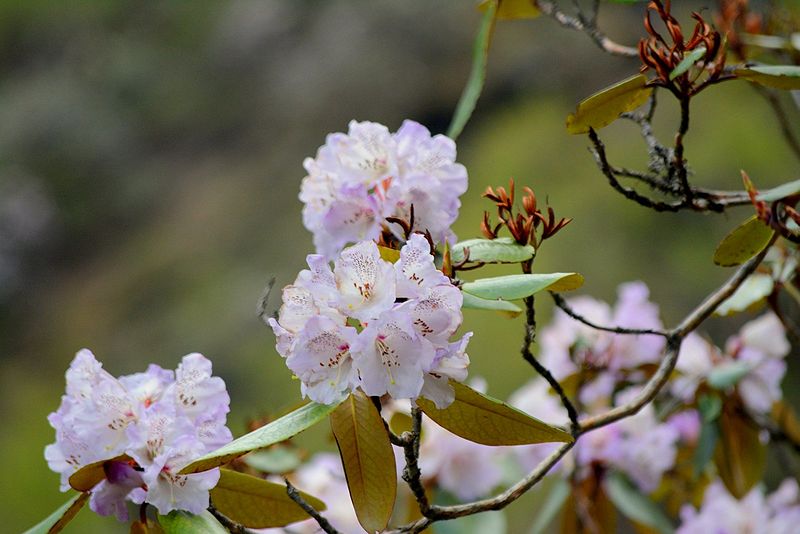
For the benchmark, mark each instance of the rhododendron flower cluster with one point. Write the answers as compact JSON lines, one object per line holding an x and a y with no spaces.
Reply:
{"x":374,"y":325}
{"x":779,"y":513}
{"x":757,"y":352}
{"x":160,"y":419}
{"x":568,"y":346}
{"x":360,"y":178}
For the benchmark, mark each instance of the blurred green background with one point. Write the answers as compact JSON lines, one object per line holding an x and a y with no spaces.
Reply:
{"x":150,"y":160}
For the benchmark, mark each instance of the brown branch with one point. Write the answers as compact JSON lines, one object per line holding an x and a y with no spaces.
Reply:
{"x":230,"y":525}
{"x":647,"y":394}
{"x":562,"y":303}
{"x":323,"y":523}
{"x":411,"y":473}
{"x":586,"y":25}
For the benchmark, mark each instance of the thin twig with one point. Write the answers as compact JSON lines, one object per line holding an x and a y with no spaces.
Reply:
{"x":648,"y":392}
{"x":587,"y":26}
{"x":411,"y":473}
{"x":783,"y":121}
{"x":565,"y":307}
{"x":527,"y":355}
{"x":323,"y":523}
{"x":230,"y":525}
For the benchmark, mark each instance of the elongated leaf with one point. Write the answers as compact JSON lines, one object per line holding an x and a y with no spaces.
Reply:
{"x":258,"y":503}
{"x":688,"y":60}
{"x":728,"y":374}
{"x":777,"y":76}
{"x":180,"y":522}
{"x":368,"y":460}
{"x":88,"y":476}
{"x":748,"y":296}
{"x":512,"y":9}
{"x":604,"y":107}
{"x":500,"y":250}
{"x":706,"y":444}
{"x":517,"y":286}
{"x":555,"y":500}
{"x":477,"y":76}
{"x":477,"y":303}
{"x":279,"y":430}
{"x":779,"y":192}
{"x":482,"y":419}
{"x":743,"y":242}
{"x":636,"y":506}
{"x":740,"y":457}
{"x":277,"y":461}
{"x":56,"y":521}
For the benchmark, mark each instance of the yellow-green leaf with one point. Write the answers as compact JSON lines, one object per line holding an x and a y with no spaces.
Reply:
{"x":778,"y":76}
{"x":743,"y":242}
{"x":512,"y":9}
{"x":180,"y":522}
{"x":604,"y":107}
{"x":740,"y":456}
{"x":88,"y":476}
{"x":279,"y":430}
{"x":500,"y":250}
{"x":257,"y":503}
{"x":688,"y":60}
{"x":368,"y":460}
{"x":517,"y":286}
{"x":56,"y":521}
{"x":389,"y":254}
{"x":482,"y":419}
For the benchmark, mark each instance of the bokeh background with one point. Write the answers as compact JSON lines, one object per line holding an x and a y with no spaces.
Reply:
{"x":150,"y":160}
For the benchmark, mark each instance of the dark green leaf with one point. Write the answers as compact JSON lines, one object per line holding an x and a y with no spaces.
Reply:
{"x":517,"y":286}
{"x":56,"y":521}
{"x":474,"y":86}
{"x":500,"y":250}
{"x":257,"y":503}
{"x":483,"y":419}
{"x":279,"y":430}
{"x":368,"y":460}
{"x":635,"y":506}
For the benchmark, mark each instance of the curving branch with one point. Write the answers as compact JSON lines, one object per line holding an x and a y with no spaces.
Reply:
{"x":675,"y":336}
{"x":562,"y":303}
{"x":323,"y":523}
{"x":587,"y":25}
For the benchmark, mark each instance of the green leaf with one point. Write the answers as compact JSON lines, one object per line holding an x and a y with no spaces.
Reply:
{"x":604,"y":107}
{"x":517,"y":286}
{"x":512,"y":9}
{"x":180,"y":522}
{"x":782,"y":191}
{"x":706,"y":444}
{"x":748,"y":296}
{"x":500,"y":250}
{"x":275,"y":460}
{"x":728,"y":374}
{"x":635,"y":506}
{"x":477,"y":76}
{"x":743,"y":242}
{"x":257,"y":503}
{"x":279,"y":430}
{"x":56,"y":521}
{"x":553,"y":504}
{"x":88,"y":476}
{"x":368,"y":460}
{"x":688,"y":60}
{"x":476,"y":303}
{"x":740,"y":456}
{"x":777,"y":76}
{"x":482,"y":419}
